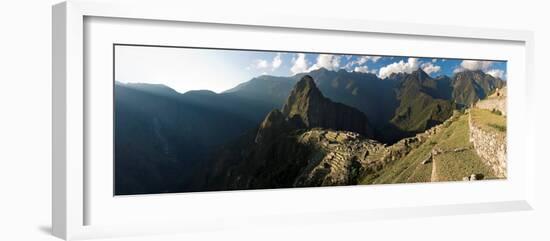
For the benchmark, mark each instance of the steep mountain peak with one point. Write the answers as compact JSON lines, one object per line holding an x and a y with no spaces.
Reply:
{"x":305,"y":80}
{"x":307,"y":106}
{"x":396,"y":76}
{"x":305,"y":85}
{"x":470,"y":73}
{"x":416,"y":81}
{"x":478,"y":71}
{"x":421,"y":74}
{"x":305,"y":92}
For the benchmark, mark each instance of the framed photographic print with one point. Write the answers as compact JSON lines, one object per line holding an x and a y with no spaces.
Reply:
{"x":176,"y":121}
{"x":273,"y":119}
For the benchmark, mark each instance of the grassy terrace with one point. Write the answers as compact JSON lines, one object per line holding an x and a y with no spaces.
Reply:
{"x":454,"y":165}
{"x":457,"y":160}
{"x":408,"y":169}
{"x":489,"y":120}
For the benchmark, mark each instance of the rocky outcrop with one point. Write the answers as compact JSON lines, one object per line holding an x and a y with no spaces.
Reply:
{"x":490,"y":146}
{"x":306,"y":106}
{"x":337,"y":157}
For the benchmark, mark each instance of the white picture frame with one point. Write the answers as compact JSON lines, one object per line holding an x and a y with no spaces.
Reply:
{"x":72,"y":191}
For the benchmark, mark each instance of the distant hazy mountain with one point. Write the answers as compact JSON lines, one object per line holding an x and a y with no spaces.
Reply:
{"x":266,"y":88}
{"x":162,"y":135}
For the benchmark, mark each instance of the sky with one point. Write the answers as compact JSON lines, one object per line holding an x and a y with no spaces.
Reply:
{"x":185,"y":69}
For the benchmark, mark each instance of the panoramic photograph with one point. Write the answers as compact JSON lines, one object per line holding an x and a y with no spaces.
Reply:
{"x":203,"y":119}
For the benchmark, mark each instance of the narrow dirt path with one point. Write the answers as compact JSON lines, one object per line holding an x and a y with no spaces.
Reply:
{"x":434,"y":177}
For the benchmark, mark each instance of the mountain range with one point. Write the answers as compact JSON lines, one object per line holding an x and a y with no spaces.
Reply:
{"x":166,"y":141}
{"x":287,"y":149}
{"x":398,"y":106}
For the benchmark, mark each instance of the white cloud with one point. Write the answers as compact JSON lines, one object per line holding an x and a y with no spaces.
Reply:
{"x":299,"y":64}
{"x":360,"y":61}
{"x":349,"y":65}
{"x":497,"y":73}
{"x":327,"y":61}
{"x":260,"y":64}
{"x":264,"y":64}
{"x":474,"y":65}
{"x":375,"y":59}
{"x":364,"y":59}
{"x":277,"y":61}
{"x":399,"y":67}
{"x":364,"y":69}
{"x":430,"y":68}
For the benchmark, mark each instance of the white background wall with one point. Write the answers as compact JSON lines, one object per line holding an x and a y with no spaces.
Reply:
{"x":25,"y":120}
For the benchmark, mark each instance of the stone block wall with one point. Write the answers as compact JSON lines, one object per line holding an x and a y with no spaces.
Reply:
{"x":491,"y":147}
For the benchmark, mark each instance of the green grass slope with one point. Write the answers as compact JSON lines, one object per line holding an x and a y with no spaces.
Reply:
{"x":459,"y":158}
{"x":455,"y":158}
{"x":422,"y":103}
{"x":419,"y":111}
{"x":489,"y":120}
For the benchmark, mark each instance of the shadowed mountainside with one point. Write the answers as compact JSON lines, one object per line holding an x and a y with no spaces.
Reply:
{"x":161,"y":135}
